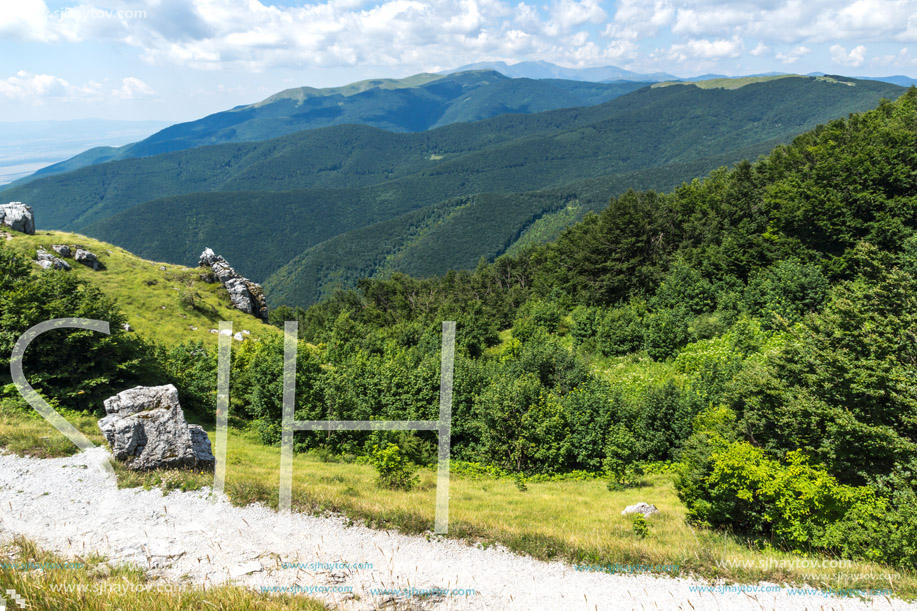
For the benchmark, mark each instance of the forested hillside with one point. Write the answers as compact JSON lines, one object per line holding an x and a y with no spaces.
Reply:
{"x":412,"y":104}
{"x":304,"y":189}
{"x":754,"y":326}
{"x":752,"y":330}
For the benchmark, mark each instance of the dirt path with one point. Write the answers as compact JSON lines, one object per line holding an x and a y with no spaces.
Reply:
{"x":68,"y":505}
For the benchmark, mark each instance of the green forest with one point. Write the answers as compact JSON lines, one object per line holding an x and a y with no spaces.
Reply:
{"x":753,"y":330}
{"x":490,"y":180}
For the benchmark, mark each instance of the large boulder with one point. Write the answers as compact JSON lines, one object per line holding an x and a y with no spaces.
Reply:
{"x":645,"y":508}
{"x":18,"y":217}
{"x":146,"y":429}
{"x":245,"y":295}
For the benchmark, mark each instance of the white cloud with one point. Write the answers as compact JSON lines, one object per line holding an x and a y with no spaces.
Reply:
{"x":709,"y":20}
{"x":793,"y":55}
{"x":901,"y":59}
{"x":704,"y":49}
{"x":854,"y":59}
{"x":36,"y":88}
{"x":24,"y":20}
{"x":640,"y":18}
{"x":430,"y":34}
{"x":569,"y":14}
{"x":132,"y":88}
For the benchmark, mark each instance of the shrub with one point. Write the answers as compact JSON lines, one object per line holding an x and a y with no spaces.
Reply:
{"x":620,"y":451}
{"x":792,"y":503}
{"x":665,"y":332}
{"x":640,"y":526}
{"x":394,"y":470}
{"x":621,"y":331}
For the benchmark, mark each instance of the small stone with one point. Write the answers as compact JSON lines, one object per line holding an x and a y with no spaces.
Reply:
{"x":214,"y":331}
{"x":162,"y":268}
{"x":247,"y":568}
{"x":246,"y":332}
{"x":127,"y":327}
{"x":238,"y":337}
{"x":62,"y":249}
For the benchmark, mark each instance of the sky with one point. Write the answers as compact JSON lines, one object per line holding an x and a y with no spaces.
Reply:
{"x":177,"y":60}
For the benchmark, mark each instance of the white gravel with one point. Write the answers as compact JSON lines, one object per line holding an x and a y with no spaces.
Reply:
{"x":68,"y":505}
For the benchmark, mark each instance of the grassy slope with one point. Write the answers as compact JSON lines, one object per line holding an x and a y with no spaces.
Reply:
{"x":149,"y":296}
{"x":576,"y":521}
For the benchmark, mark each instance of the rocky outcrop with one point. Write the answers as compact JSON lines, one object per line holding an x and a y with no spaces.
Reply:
{"x":49,"y":261}
{"x":62,"y":250}
{"x":146,"y":429}
{"x":18,"y":217}
{"x":246,"y":295}
{"x":86,"y":258}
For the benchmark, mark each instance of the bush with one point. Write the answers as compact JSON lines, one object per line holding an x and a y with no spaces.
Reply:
{"x":535,"y":315}
{"x":394,"y":470}
{"x":792,"y":503}
{"x":665,"y":332}
{"x":621,"y":330}
{"x":78,"y":368}
{"x":620,"y":452}
{"x":640,"y":526}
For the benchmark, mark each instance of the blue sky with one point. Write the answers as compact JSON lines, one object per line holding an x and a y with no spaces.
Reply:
{"x":181,"y":59}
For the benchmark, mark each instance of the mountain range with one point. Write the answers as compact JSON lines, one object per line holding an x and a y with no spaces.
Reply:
{"x":411,"y":104}
{"x":547,"y":70}
{"x":319,"y":208}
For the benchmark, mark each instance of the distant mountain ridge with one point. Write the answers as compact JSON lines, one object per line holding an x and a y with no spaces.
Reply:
{"x":412,"y":104}
{"x":547,"y":70}
{"x":289,"y":211}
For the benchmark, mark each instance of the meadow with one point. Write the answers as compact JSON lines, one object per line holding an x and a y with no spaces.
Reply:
{"x":573,"y":520}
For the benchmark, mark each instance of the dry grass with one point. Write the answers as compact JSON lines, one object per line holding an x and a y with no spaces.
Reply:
{"x":97,"y":586}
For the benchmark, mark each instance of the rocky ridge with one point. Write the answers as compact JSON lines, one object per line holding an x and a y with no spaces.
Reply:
{"x":246,"y":295}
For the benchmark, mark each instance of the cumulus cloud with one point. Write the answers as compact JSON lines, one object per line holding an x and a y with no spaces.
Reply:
{"x":24,"y":20}
{"x":901,"y":59}
{"x":132,"y":88}
{"x":855,"y":58}
{"x":430,"y":34}
{"x":569,"y":14}
{"x":705,"y":49}
{"x":37,"y":88}
{"x":211,"y":34}
{"x":793,"y":55}
{"x":640,"y":18}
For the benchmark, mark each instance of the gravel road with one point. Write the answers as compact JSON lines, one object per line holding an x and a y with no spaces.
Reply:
{"x":68,"y":505}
